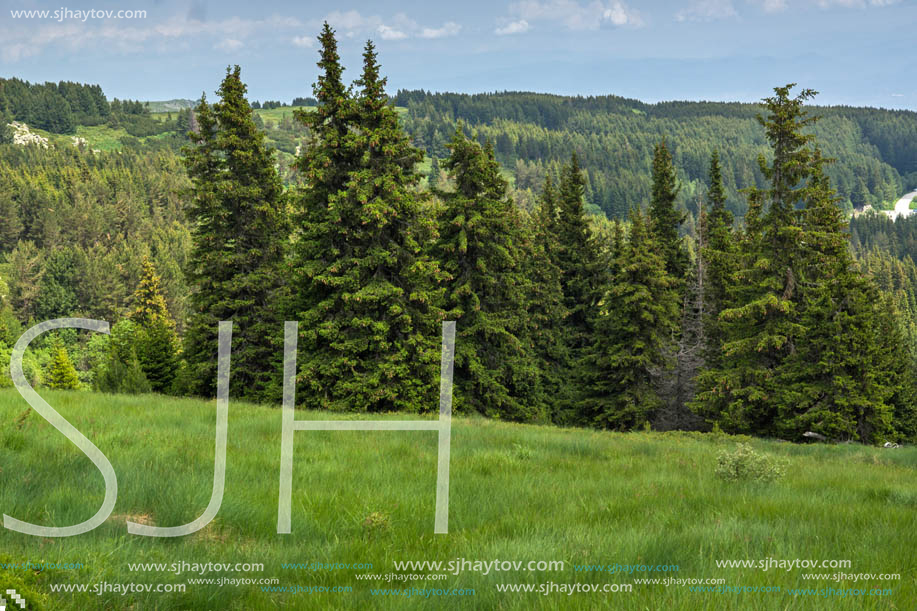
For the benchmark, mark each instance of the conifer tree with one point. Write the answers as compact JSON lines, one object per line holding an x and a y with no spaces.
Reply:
{"x":121,"y":371}
{"x":546,"y":311}
{"x":368,"y":293}
{"x":326,"y":161}
{"x":839,"y":376}
{"x":239,"y":228}
{"x":61,"y":373}
{"x":633,"y":334}
{"x":148,"y":300}
{"x":685,"y":354}
{"x":481,"y":248}
{"x":802,"y":336}
{"x":6,"y":133}
{"x":433,"y":176}
{"x":719,"y":256}
{"x":761,"y":327}
{"x":156,"y":342}
{"x":578,"y":257}
{"x":665,"y":219}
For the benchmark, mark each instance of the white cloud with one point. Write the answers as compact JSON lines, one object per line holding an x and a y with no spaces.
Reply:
{"x":855,"y":3}
{"x":513,"y":27}
{"x":390,"y":33}
{"x":229,"y":45}
{"x":17,"y":51}
{"x":576,"y":16}
{"x":398,"y":27}
{"x":450,"y":28}
{"x":707,"y":10}
{"x":353,"y":20}
{"x":775,"y":6}
{"x":28,"y":40}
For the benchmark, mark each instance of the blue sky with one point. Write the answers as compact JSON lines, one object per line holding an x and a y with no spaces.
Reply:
{"x":858,"y":52}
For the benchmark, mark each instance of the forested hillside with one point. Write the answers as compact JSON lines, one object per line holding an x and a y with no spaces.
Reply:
{"x":721,"y":290}
{"x":614,"y":137}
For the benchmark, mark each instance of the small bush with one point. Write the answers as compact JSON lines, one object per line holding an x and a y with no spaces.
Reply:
{"x":62,"y":375}
{"x":744,"y":464}
{"x":522,"y":452}
{"x":375,"y":524}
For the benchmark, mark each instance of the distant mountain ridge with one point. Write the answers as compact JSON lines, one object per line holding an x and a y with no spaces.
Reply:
{"x":533,"y":133}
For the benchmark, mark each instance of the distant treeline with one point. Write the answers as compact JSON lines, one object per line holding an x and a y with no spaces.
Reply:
{"x":55,"y":107}
{"x":533,"y":134}
{"x":60,"y":107}
{"x":298,"y":101}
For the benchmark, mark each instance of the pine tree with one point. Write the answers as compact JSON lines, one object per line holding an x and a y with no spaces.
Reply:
{"x":326,"y":162}
{"x":433,"y":176}
{"x":685,"y":354}
{"x":578,"y":257}
{"x":61,"y":373}
{"x":633,"y":334}
{"x":719,"y":256}
{"x":802,"y":335}
{"x":149,"y":302}
{"x":368,"y":294}
{"x":10,"y":222}
{"x":665,"y":219}
{"x":761,"y":327}
{"x":121,"y":371}
{"x":132,"y":381}
{"x":239,"y":230}
{"x":6,"y":133}
{"x":838,"y":377}
{"x":156,"y":341}
{"x":481,"y":248}
{"x":546,"y":311}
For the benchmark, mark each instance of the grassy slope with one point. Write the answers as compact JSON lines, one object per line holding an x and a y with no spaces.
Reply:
{"x":518,"y":493}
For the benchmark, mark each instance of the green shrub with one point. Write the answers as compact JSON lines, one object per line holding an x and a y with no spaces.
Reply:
{"x":744,"y":464}
{"x":25,"y":582}
{"x":62,"y":374}
{"x":375,"y":524}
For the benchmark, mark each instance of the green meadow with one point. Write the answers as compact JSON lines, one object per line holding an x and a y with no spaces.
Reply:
{"x":518,"y":492}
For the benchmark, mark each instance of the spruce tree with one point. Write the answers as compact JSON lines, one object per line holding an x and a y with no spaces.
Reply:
{"x":433,"y":176}
{"x":839,"y":376}
{"x":719,"y":256}
{"x":368,"y":293}
{"x":148,"y":300}
{"x":802,"y":335}
{"x":122,"y":372}
{"x":239,"y":228}
{"x":481,"y":247}
{"x":6,"y":133}
{"x":577,"y":255}
{"x":761,"y":326}
{"x":156,"y":341}
{"x":326,"y":162}
{"x":665,"y":219}
{"x":546,"y":310}
{"x":633,"y":333}
{"x":61,"y":372}
{"x":133,"y":381}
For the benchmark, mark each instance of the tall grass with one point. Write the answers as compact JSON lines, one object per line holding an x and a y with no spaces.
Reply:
{"x":518,"y":492}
